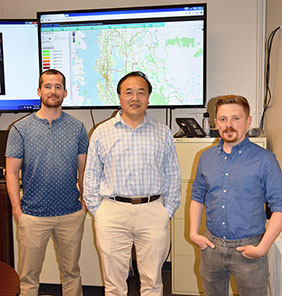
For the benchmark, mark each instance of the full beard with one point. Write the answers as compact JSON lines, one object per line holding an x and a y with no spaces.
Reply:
{"x":51,"y":103}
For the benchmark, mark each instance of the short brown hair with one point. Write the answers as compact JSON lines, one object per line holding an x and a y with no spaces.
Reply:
{"x":52,"y":72}
{"x":233,"y":99}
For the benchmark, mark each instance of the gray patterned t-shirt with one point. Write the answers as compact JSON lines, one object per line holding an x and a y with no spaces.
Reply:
{"x":50,"y":163}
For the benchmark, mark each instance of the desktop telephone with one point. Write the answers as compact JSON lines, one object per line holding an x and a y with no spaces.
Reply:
{"x":189,"y":128}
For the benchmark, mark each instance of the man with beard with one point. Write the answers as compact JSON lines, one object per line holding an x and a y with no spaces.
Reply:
{"x":49,"y":147}
{"x":234,"y":181}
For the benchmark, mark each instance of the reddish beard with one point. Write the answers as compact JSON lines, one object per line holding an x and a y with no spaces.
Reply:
{"x":230,"y":138}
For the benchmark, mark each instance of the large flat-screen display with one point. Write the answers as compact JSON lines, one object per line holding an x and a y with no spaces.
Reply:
{"x":95,"y":48}
{"x":19,"y":65}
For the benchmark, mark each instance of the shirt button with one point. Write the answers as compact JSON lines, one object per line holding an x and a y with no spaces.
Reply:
{"x":224,"y":237}
{"x":223,"y":223}
{"x":240,"y":152}
{"x":224,"y":190}
{"x":223,"y":207}
{"x":226,"y":174}
{"x":225,"y":157}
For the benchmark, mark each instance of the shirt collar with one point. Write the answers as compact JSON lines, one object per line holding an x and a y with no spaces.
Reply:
{"x":238,"y":149}
{"x":46,"y":120}
{"x":119,"y":120}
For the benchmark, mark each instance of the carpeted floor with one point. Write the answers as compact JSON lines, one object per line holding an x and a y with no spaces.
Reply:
{"x":133,"y":287}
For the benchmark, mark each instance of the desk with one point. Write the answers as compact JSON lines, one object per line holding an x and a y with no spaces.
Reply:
{"x":6,"y":231}
{"x":9,"y":280}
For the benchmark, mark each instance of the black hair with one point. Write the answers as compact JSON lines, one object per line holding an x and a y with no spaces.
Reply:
{"x":132,"y":74}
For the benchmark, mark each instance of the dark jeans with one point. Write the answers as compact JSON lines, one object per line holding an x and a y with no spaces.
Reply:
{"x":251,"y":275}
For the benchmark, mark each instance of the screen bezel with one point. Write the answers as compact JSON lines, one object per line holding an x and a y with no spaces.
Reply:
{"x":204,"y":18}
{"x":35,"y":106}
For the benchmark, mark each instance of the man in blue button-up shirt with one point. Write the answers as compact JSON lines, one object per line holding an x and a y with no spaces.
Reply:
{"x":234,"y":181}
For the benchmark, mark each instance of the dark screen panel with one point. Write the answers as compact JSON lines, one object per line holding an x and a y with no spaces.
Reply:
{"x":2,"y":80}
{"x":3,"y":142}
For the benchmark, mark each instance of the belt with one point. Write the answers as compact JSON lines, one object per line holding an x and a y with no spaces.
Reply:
{"x":136,"y":200}
{"x":253,"y":240}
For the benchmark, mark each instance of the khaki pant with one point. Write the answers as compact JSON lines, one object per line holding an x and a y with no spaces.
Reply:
{"x":119,"y":225}
{"x":34,"y":234}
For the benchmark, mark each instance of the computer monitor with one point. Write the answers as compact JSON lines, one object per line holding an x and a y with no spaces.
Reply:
{"x":19,"y":65}
{"x":95,"y":48}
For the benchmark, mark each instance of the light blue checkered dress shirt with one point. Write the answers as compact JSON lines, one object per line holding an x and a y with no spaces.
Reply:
{"x":126,"y":162}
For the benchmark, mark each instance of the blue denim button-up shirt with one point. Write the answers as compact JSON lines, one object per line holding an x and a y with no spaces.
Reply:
{"x":234,"y":188}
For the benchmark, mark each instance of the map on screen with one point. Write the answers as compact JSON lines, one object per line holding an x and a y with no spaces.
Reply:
{"x":117,"y":51}
{"x":94,"y":56}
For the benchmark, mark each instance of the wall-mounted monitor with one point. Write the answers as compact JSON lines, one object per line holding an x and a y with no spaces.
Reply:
{"x":19,"y":65}
{"x":95,"y":48}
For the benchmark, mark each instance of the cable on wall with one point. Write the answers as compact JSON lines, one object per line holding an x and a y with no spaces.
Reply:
{"x":166,"y":116}
{"x":170,"y":117}
{"x":267,"y":96}
{"x":92,"y":119}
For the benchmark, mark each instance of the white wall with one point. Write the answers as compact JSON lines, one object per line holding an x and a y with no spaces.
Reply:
{"x":273,"y":118}
{"x":235,"y":49}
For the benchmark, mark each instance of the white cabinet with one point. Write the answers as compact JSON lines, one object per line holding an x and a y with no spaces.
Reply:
{"x":185,"y":256}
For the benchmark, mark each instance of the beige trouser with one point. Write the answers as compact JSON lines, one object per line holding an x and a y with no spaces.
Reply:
{"x":34,"y":234}
{"x":119,"y":225}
